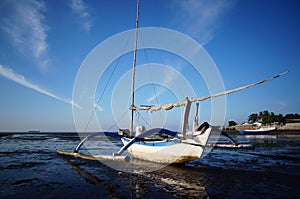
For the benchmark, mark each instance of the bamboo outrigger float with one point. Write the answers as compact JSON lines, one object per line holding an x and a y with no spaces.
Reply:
{"x":95,"y":157}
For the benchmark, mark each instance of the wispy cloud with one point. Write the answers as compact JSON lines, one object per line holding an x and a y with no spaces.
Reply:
{"x":25,"y":26}
{"x":283,"y":104}
{"x":20,"y":79}
{"x":169,"y":78}
{"x":98,"y":107}
{"x":81,"y":10}
{"x":156,"y":95}
{"x":200,"y":18}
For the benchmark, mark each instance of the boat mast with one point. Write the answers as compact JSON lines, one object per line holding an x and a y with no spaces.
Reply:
{"x":134,"y":66}
{"x":196,"y":124}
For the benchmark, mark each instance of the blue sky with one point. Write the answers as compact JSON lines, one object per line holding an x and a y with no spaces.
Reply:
{"x":43,"y":44}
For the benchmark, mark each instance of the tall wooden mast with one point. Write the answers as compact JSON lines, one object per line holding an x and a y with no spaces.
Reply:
{"x":134,"y":66}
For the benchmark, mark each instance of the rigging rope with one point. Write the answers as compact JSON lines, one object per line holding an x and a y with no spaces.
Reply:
{"x":107,"y":83}
{"x":140,"y":115}
{"x":151,"y":78}
{"x":115,"y":124}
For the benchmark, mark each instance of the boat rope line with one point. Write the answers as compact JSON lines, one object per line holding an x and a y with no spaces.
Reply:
{"x":123,"y":115}
{"x":183,"y":103}
{"x":140,"y":116}
{"x":107,"y":83}
{"x":151,"y":78}
{"x":115,"y":124}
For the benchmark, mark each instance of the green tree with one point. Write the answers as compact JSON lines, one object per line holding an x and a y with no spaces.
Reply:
{"x":232,"y":123}
{"x":253,"y":117}
{"x":280,"y":119}
{"x":292,"y":116}
{"x":260,"y":115}
{"x":265,"y":113}
{"x":267,"y":117}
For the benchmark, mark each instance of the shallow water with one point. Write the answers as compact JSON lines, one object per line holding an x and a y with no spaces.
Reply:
{"x":29,"y":167}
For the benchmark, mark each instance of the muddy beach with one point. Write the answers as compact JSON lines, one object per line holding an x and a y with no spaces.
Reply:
{"x":30,"y":168}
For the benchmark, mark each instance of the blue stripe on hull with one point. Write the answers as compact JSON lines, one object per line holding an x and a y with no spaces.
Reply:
{"x":154,"y":143}
{"x":245,"y":132}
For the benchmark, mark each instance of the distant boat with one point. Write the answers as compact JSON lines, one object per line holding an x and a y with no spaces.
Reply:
{"x":259,"y":131}
{"x":34,"y":131}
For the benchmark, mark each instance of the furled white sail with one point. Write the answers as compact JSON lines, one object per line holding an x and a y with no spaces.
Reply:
{"x":183,"y":103}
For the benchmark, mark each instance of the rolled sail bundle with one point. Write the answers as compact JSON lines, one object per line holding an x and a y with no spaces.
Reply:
{"x":183,"y":103}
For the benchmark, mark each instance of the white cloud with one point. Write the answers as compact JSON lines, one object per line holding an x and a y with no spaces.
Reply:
{"x":169,"y":78}
{"x":25,"y":26}
{"x":98,"y":107}
{"x":200,"y":18}
{"x":283,"y":104}
{"x":80,"y":9}
{"x":156,"y":95}
{"x":20,"y":79}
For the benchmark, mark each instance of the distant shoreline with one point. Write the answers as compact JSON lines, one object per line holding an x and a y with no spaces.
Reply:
{"x":279,"y":127}
{"x":230,"y":130}
{"x":276,"y":132}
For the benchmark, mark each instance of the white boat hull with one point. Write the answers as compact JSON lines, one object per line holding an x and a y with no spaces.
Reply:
{"x":167,"y":152}
{"x":259,"y":131}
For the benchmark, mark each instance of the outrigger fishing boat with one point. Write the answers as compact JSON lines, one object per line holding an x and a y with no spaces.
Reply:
{"x":161,"y":145}
{"x":259,"y":131}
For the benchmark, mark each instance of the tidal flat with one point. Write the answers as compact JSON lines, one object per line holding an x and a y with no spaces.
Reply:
{"x":31,"y":168}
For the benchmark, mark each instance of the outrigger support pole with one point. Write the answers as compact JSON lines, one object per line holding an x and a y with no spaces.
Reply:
{"x":234,"y":145}
{"x":186,"y":113}
{"x":143,"y":135}
{"x":87,"y":138}
{"x":93,"y":157}
{"x":229,"y":138}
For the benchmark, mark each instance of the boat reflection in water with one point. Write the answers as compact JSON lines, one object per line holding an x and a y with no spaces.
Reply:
{"x":171,"y":180}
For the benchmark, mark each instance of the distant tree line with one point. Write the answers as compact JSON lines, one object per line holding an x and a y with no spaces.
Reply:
{"x":268,"y":118}
{"x":292,"y":116}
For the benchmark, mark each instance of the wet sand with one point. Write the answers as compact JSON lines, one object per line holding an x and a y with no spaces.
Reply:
{"x":30,"y":168}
